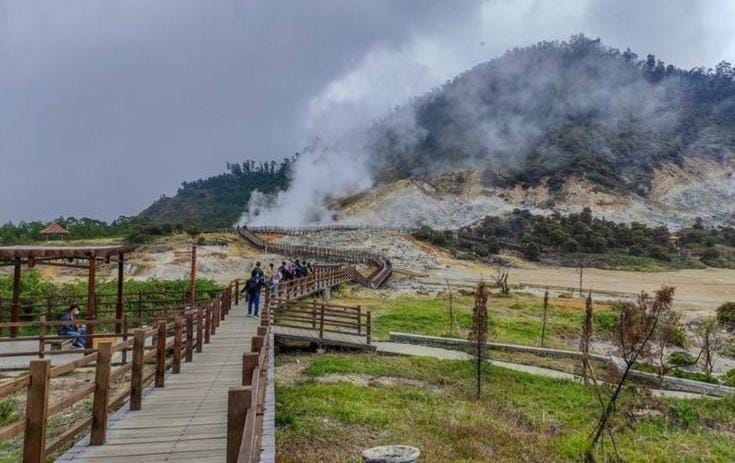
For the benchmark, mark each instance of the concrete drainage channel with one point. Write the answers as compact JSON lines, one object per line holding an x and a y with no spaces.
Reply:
{"x":669,"y":382}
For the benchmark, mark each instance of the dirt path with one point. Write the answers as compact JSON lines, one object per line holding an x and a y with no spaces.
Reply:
{"x":698,"y":291}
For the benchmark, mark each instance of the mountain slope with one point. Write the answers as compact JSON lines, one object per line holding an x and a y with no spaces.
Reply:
{"x":219,"y":201}
{"x":557,"y":110}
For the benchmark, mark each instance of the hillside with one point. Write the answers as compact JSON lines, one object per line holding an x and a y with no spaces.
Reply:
{"x":220,"y":200}
{"x":558,"y":110}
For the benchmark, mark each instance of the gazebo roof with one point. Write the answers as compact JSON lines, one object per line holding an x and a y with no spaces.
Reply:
{"x":54,"y":229}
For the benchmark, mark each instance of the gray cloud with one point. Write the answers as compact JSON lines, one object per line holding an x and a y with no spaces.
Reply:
{"x":106,"y":105}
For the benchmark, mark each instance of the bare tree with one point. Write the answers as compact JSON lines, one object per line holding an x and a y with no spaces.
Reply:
{"x":711,"y":342}
{"x":501,"y":280}
{"x":478,"y":334}
{"x":585,"y":341}
{"x":637,"y":323}
{"x":451,"y":308}
{"x":667,"y":335}
{"x":544,"y":317}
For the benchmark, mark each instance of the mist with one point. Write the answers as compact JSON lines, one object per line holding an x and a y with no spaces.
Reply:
{"x":378,"y":98}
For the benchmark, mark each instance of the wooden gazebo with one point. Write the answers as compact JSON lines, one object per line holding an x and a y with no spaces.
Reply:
{"x":54,"y":230}
{"x":84,"y":257}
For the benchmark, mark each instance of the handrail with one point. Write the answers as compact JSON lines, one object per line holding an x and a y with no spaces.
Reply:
{"x":245,"y":404}
{"x":189,"y":329}
{"x":384,"y":266}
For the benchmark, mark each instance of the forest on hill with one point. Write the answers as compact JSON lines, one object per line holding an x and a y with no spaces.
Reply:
{"x":220,"y":200}
{"x":559,"y":110}
{"x":581,"y":239}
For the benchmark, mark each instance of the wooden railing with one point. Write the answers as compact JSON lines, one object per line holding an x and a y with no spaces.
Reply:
{"x":245,"y":404}
{"x":323,"y":317}
{"x":383,"y":266}
{"x":173,"y":341}
{"x":138,"y":302}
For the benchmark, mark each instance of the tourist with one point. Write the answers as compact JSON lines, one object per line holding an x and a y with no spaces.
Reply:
{"x":252,"y":289}
{"x":257,"y":271}
{"x":71,"y":328}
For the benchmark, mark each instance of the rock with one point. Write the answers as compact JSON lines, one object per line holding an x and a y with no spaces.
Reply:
{"x":391,"y":454}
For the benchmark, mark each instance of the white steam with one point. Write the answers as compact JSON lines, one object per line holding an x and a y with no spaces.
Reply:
{"x":390,"y":74}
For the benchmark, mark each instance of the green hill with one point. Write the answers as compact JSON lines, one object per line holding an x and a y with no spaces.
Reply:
{"x":219,"y":201}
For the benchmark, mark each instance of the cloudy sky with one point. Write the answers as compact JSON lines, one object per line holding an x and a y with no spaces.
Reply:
{"x":104,"y":106}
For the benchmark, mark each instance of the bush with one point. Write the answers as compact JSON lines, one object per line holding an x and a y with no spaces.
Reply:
{"x":728,"y":379}
{"x":710,"y":254}
{"x":726,"y":314}
{"x":531,"y":251}
{"x":695,"y":376}
{"x":681,"y":359}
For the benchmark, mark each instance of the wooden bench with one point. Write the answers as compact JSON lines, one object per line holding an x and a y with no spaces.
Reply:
{"x":58,"y":344}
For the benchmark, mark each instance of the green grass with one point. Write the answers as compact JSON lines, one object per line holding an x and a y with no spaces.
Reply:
{"x":520,"y":417}
{"x":515,"y":319}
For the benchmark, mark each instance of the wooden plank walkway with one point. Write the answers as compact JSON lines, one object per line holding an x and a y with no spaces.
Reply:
{"x":185,"y":421}
{"x":329,"y":339}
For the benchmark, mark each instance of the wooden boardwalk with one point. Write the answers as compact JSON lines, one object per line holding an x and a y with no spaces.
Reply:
{"x":186,"y":420}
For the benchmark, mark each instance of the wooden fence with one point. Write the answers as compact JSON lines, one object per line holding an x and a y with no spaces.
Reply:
{"x":138,"y":304}
{"x":323,"y":318}
{"x":382,"y":265}
{"x":246,"y":403}
{"x":173,"y":340}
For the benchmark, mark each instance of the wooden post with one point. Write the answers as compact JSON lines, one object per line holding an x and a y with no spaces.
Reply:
{"x":119,"y":302}
{"x":249,"y":361}
{"x":189,"y":337}
{"x":15,"y":305}
{"x":215,"y":318}
{"x":193,"y":276}
{"x":101,"y":394}
{"x":238,"y":403}
{"x":369,"y":328}
{"x":200,"y":329}
{"x":161,"y":354}
{"x":321,"y":323}
{"x":34,"y":439}
{"x":41,"y":336}
{"x":136,"y":375}
{"x":313,"y":314}
{"x":91,"y":299}
{"x":237,"y":292}
{"x":207,"y":323}
{"x":359,"y":320}
{"x":124,"y":352}
{"x":256,"y":343}
{"x":178,"y":329}
{"x":223,"y":309}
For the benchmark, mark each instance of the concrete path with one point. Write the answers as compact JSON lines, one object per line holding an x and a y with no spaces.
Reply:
{"x":187,"y":419}
{"x":396,"y":348}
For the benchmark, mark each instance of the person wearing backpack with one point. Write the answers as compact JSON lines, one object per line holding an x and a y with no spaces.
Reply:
{"x":252,"y":288}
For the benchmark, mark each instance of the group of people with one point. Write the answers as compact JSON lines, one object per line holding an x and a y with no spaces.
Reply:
{"x":271,"y":277}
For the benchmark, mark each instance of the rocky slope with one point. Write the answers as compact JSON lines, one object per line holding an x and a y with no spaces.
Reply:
{"x":680,"y":193}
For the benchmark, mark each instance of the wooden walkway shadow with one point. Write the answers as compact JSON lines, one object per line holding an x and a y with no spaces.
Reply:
{"x":185,"y":421}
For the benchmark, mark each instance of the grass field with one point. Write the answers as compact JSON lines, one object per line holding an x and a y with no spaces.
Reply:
{"x":330,"y":407}
{"x":514,"y":319}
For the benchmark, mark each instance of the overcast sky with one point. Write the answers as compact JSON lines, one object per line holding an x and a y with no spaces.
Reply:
{"x":106,"y":105}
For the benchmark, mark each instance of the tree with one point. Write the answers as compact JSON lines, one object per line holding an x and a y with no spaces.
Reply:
{"x":726,"y":314}
{"x":586,"y":340}
{"x":636,"y":325}
{"x":501,"y":280}
{"x":711,"y":342}
{"x":478,"y":333}
{"x":668,"y":334}
{"x":544,"y":317}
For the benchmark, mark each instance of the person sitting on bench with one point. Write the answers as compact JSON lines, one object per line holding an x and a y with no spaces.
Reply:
{"x":72,"y":329}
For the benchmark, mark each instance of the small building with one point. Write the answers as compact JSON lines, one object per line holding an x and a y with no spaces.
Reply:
{"x":54,"y":230}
